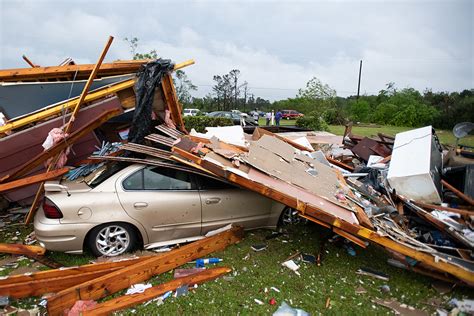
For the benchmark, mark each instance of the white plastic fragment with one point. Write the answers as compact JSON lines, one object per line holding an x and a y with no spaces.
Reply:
{"x":138,"y":288}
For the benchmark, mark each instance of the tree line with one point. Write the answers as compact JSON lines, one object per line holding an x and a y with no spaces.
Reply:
{"x":320,"y":103}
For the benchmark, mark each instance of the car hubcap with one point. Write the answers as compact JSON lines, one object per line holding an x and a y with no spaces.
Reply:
{"x":112,"y":240}
{"x":290,"y":216}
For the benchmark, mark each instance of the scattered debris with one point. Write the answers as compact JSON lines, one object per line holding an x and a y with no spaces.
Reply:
{"x":400,"y":309}
{"x":258,"y":247}
{"x":373,"y":273}
{"x":360,"y":290}
{"x":137,"y":288}
{"x":290,"y":264}
{"x":200,"y":263}
{"x":284,"y":310}
{"x":179,"y":273}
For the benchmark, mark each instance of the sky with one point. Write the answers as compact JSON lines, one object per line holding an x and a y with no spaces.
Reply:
{"x":277,"y":45}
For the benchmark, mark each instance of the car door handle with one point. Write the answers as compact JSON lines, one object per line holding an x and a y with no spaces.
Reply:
{"x":213,"y":200}
{"x":140,"y":205}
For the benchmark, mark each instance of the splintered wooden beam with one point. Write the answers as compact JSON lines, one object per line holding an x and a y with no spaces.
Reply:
{"x":460,"y":194}
{"x":122,"y":302}
{"x":259,"y":132}
{"x":69,"y":71}
{"x":171,"y":99}
{"x":19,"y":249}
{"x":68,"y":141}
{"x":124,"y":278}
{"x":33,"y":179}
{"x":49,"y":275}
{"x":88,"y":84}
{"x":29,"y":62}
{"x":52,"y":285}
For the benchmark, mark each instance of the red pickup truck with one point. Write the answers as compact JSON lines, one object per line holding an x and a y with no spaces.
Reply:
{"x":291,"y":114}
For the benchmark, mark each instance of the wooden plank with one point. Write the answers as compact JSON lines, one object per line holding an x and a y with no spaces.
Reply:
{"x":123,"y":278}
{"x":67,"y":129}
{"x":444,"y":208}
{"x":68,"y":141}
{"x":69,"y":271}
{"x":350,"y":237}
{"x":171,"y":99}
{"x":83,"y":71}
{"x":340,"y":164}
{"x":126,"y":301}
{"x":260,"y":132}
{"x":51,"y":285}
{"x":33,"y":179}
{"x":29,"y":62}
{"x":85,"y":90}
{"x":460,"y":194}
{"x":19,"y":249}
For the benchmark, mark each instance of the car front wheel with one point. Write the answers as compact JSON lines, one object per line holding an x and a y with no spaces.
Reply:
{"x":289,"y":217}
{"x":112,"y":239}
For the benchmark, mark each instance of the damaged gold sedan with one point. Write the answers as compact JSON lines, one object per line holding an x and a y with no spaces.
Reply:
{"x":124,"y":207}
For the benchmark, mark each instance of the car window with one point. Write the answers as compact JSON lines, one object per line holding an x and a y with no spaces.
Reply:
{"x":103,"y":173}
{"x":208,"y":183}
{"x":159,"y":178}
{"x":134,"y":181}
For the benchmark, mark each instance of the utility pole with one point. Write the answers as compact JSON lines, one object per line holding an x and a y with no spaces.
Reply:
{"x":358,"y":85}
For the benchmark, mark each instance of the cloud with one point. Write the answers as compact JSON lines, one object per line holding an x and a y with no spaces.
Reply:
{"x":278,"y":46}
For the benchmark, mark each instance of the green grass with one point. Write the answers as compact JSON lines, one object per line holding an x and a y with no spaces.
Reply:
{"x":446,"y":137}
{"x":335,"y":278}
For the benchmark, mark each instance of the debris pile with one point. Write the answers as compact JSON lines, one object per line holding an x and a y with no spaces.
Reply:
{"x":402,"y":193}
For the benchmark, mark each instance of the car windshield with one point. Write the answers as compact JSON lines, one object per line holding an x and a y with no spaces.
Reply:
{"x":103,"y":173}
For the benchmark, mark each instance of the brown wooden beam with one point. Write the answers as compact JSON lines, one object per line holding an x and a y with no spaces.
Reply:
{"x":122,"y":302}
{"x":19,"y":249}
{"x":48,"y":275}
{"x":33,"y":179}
{"x":29,"y":62}
{"x":123,"y":278}
{"x":52,"y":285}
{"x":83,"y":71}
{"x":171,"y":99}
{"x":444,"y":208}
{"x":460,"y":194}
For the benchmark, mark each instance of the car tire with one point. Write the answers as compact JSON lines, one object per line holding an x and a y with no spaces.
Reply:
{"x":288,"y":217}
{"x":112,"y":239}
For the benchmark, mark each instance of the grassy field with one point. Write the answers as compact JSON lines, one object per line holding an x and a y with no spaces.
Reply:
{"x":445,"y":136}
{"x":254,"y":273}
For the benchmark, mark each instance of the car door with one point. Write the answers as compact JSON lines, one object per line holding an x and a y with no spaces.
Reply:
{"x":164,"y":200}
{"x":224,"y":203}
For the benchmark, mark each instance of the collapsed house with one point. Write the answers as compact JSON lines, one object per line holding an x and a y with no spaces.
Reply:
{"x":385,"y":198}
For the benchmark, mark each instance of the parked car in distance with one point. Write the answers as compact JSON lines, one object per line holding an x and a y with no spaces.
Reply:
{"x":124,"y":207}
{"x":240,"y":113}
{"x":235,"y":117}
{"x":190,"y":112}
{"x":291,"y":114}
